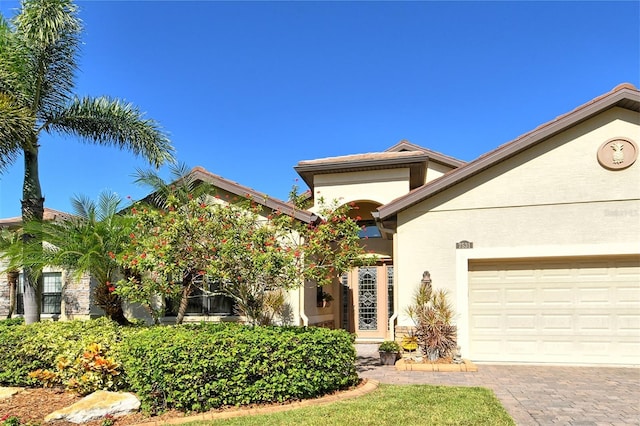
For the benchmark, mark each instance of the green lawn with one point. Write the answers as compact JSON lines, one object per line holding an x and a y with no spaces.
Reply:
{"x":394,"y":405}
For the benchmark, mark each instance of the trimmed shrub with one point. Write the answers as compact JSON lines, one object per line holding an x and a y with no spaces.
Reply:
{"x":193,"y":367}
{"x":24,"y":349}
{"x":11,"y":322}
{"x":205,"y":366}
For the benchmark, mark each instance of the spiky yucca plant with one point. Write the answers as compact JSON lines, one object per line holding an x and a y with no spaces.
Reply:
{"x":433,"y":316}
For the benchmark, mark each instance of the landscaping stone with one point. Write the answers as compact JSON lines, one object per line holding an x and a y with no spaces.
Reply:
{"x":96,"y":406}
{"x":9,"y":392}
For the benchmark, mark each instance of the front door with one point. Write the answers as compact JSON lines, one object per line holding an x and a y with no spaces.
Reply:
{"x":366,"y":300}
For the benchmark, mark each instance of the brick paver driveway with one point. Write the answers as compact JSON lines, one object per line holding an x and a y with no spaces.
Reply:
{"x":535,"y":395}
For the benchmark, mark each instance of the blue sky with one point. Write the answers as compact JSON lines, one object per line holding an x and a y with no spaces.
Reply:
{"x":248,"y":89}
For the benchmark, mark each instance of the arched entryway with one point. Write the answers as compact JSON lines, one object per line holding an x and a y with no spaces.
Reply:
{"x":366,"y":293}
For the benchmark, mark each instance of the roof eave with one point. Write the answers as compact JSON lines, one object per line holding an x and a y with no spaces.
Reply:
{"x":416,"y":163}
{"x":275,"y":204}
{"x":622,"y":96}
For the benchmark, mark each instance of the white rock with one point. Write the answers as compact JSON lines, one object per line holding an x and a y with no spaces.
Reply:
{"x":96,"y":406}
{"x":9,"y":392}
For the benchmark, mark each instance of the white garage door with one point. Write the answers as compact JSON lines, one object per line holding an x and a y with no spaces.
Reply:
{"x":578,"y":310}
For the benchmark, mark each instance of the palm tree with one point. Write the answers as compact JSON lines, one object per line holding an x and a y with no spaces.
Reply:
{"x":38,"y":51}
{"x":87,"y":242}
{"x":9,"y":238}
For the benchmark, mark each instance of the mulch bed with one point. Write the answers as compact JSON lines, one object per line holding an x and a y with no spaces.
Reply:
{"x":33,"y":405}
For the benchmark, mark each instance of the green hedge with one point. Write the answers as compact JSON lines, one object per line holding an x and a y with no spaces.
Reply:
{"x":196,"y":368}
{"x":192,"y":367}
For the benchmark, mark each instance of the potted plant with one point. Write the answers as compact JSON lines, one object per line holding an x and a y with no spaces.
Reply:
{"x":409,"y":343}
{"x":389,"y":352}
{"x":324,"y":299}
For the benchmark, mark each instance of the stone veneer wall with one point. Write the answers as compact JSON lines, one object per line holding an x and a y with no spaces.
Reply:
{"x":77,"y":297}
{"x":4,"y":296}
{"x":402,"y":331}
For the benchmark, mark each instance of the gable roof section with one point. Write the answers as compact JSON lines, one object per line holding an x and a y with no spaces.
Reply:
{"x":199,"y":173}
{"x":623,"y":96}
{"x":416,"y":161}
{"x":405,"y":145}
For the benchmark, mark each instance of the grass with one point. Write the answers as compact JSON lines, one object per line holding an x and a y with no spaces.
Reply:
{"x":393,"y":405}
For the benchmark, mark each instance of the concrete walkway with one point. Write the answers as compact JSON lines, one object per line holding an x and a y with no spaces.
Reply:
{"x":534,"y":395}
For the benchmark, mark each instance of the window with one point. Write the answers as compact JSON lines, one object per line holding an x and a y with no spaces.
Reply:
{"x":203,"y":304}
{"x":368,"y":229}
{"x":51,"y":302}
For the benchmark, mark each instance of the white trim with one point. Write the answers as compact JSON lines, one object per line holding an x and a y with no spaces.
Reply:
{"x":463,"y":256}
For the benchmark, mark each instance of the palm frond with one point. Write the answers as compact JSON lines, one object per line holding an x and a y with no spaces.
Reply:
{"x":84,"y":243}
{"x":108,"y":206}
{"x":16,"y":127}
{"x":14,"y":65}
{"x":45,"y":22}
{"x":181,"y":186}
{"x":82,"y":206}
{"x":111,"y":122}
{"x":49,"y":30}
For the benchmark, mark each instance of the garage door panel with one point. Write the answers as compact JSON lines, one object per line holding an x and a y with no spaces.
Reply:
{"x":557,"y":322}
{"x":522,"y":323}
{"x":488,"y":298}
{"x":555,"y":273}
{"x":593,"y":295}
{"x":629,"y":323}
{"x":520,"y":296}
{"x":486,"y":322}
{"x":629,"y":295}
{"x":556,"y":296}
{"x":593,"y":324}
{"x":584,"y":310}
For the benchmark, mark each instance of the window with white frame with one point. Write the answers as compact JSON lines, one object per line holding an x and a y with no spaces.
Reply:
{"x":204,"y":303}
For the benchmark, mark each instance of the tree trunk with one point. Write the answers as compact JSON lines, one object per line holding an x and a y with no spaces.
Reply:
{"x":184,"y":300}
{"x":111,"y":303}
{"x":117,"y":314}
{"x":12,"y":278}
{"x":32,"y":209}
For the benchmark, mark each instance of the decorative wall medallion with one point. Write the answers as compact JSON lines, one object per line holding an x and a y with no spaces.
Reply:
{"x":617,"y":153}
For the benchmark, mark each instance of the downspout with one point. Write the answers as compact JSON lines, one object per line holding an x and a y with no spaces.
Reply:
{"x":303,"y":317}
{"x":394,"y":317}
{"x":392,"y":322}
{"x":390,"y":232}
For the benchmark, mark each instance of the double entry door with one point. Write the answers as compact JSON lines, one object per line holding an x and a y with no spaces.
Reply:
{"x":367,"y":301}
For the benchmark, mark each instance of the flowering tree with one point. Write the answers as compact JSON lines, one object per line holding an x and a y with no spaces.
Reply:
{"x":180,"y":249}
{"x":250,"y":253}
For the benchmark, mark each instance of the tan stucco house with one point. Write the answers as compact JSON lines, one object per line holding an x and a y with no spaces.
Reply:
{"x":537,"y":241}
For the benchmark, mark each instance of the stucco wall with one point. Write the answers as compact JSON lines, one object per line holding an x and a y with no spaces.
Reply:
{"x":380,"y":186}
{"x":553,"y":199}
{"x":435,"y":170}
